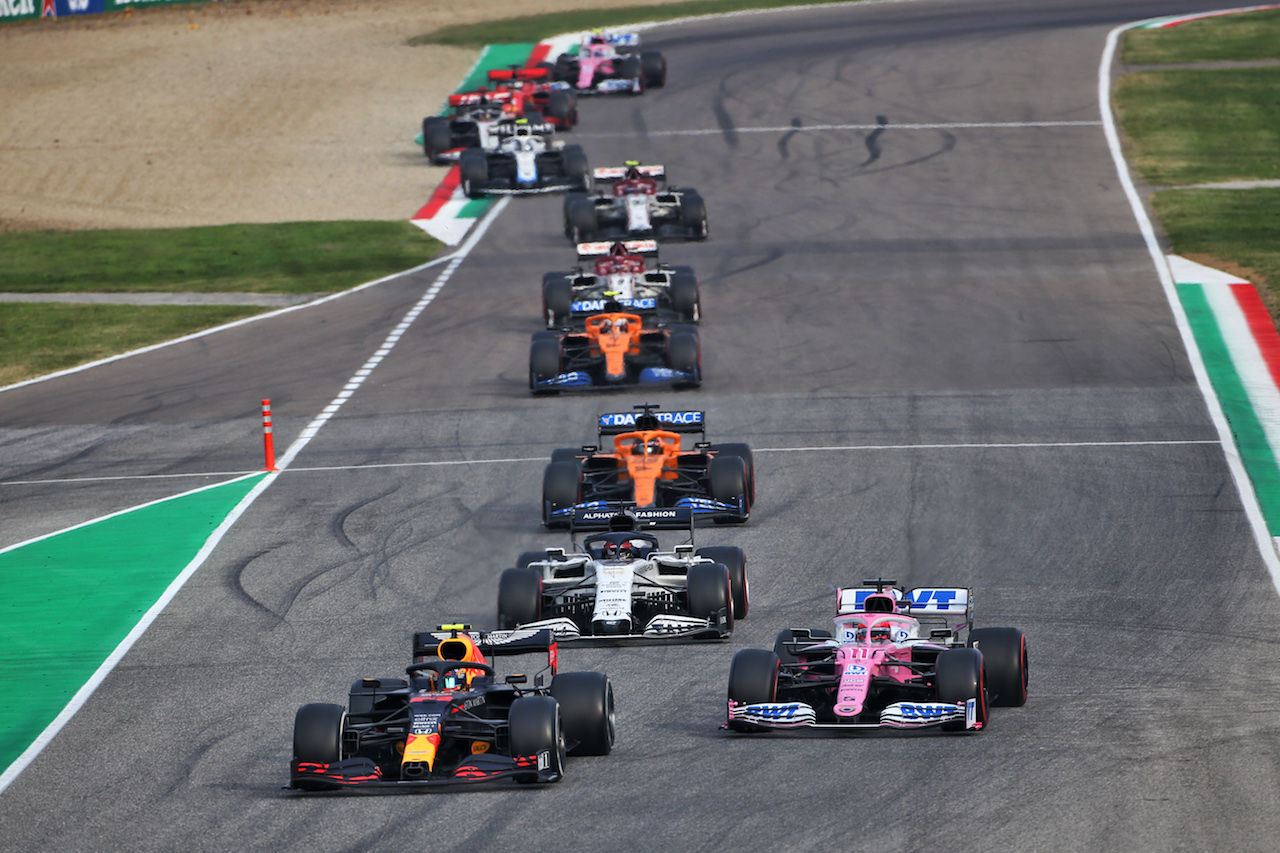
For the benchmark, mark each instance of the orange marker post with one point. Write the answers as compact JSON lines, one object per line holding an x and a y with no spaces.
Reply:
{"x":268,"y":440}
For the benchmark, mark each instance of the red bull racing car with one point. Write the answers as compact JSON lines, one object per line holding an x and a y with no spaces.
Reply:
{"x":877,"y":670}
{"x":452,"y":720}
{"x":640,"y":462}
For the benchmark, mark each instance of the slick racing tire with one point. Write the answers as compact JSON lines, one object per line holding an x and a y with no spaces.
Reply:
{"x":563,"y":107}
{"x":958,"y":678}
{"x":786,"y":635}
{"x":586,"y":710}
{"x":534,"y":725}
{"x":437,"y":138}
{"x":519,"y":597}
{"x":743,"y":452}
{"x":566,"y":454}
{"x":727,"y":480}
{"x":576,"y":171}
{"x":684,"y":354}
{"x":632,"y":69}
{"x":561,"y":488}
{"x":565,"y":69}
{"x":544,"y":362}
{"x":693,"y":215}
{"x":473,"y":167}
{"x":654,"y":66}
{"x":685,"y":299}
{"x":735,"y":560}
{"x":1004,"y":655}
{"x":579,"y":218}
{"x":557,"y":299}
{"x":709,"y":592}
{"x":753,"y":680}
{"x":317,"y":733}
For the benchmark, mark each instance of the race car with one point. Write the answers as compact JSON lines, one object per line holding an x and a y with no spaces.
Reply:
{"x":877,"y":671}
{"x":525,"y":161}
{"x":638,"y":204}
{"x":614,"y":349}
{"x":619,"y":272}
{"x":639,"y":460}
{"x":620,"y":585}
{"x":470,"y":117}
{"x":452,"y":720}
{"x":609,"y":63}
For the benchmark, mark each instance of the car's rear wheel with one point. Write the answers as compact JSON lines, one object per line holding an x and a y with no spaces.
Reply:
{"x":693,"y":214}
{"x":743,"y":452}
{"x":317,"y":732}
{"x":709,"y":592}
{"x":560,"y":106}
{"x":753,"y":680}
{"x":727,"y":478}
{"x":473,"y":168}
{"x":586,"y":709}
{"x":557,"y":297}
{"x":1004,"y":656}
{"x":437,"y":137}
{"x":654,"y":65}
{"x":958,"y":678}
{"x":685,"y":299}
{"x":534,"y":725}
{"x":519,"y":597}
{"x":580,"y":218}
{"x":561,"y":489}
{"x":735,"y":560}
{"x":544,"y":362}
{"x":633,"y":70}
{"x":577,"y":172}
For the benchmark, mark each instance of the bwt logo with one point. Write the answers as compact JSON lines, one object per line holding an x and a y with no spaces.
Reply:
{"x":923,"y":710}
{"x":941,"y":598}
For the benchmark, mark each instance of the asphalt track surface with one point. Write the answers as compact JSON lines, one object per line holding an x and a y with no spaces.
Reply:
{"x":971,"y":310}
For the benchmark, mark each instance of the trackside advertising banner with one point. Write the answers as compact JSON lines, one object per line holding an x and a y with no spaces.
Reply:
{"x":17,"y":10}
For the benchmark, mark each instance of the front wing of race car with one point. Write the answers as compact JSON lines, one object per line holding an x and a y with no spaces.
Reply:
{"x":582,"y":379}
{"x":596,"y":515}
{"x":365,"y":773}
{"x":899,"y":715}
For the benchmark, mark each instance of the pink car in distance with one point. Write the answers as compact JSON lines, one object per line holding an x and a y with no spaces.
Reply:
{"x":877,"y":671}
{"x":608,"y":63}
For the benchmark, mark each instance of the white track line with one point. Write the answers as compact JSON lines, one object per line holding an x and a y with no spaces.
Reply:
{"x":1249,"y":498}
{"x":526,"y":459}
{"x":959,"y":125}
{"x":225,"y":326}
{"x":83,"y":694}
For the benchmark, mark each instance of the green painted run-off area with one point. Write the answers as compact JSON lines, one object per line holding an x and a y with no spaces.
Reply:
{"x":70,"y":599}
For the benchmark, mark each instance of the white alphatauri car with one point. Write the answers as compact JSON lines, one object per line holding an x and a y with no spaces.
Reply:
{"x":621,"y":585}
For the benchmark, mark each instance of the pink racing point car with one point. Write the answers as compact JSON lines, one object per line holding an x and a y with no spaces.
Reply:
{"x":608,"y":63}
{"x":877,"y":671}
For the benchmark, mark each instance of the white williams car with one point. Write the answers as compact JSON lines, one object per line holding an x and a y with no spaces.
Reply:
{"x":620,"y":585}
{"x":526,"y":160}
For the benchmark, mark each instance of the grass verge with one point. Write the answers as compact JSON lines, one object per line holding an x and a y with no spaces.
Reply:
{"x":537,"y":27}
{"x":1229,"y":38}
{"x":1193,"y":126}
{"x":292,"y":257}
{"x":42,"y":337}
{"x":1197,"y":127}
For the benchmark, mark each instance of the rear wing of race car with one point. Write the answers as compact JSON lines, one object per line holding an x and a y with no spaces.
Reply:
{"x":469,"y":98}
{"x":938,"y":608}
{"x":604,"y":247}
{"x":616,"y":423}
{"x":511,"y":127}
{"x":617,"y":173}
{"x":522,"y":641}
{"x":518,"y":74}
{"x":604,"y":517}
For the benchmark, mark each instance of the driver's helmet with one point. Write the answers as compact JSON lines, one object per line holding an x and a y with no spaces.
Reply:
{"x":655,"y":445}
{"x":454,"y":679}
{"x":882,"y":632}
{"x":619,"y":550}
